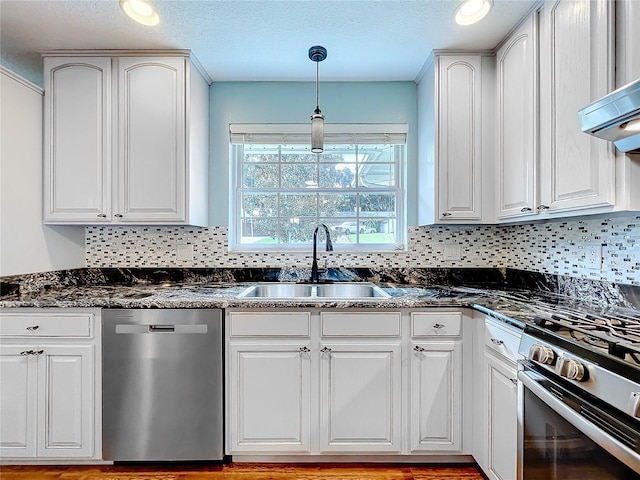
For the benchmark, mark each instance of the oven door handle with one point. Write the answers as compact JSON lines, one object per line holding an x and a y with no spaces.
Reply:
{"x":606,"y":441}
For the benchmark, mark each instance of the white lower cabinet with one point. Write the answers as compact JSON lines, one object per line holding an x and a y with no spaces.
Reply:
{"x":269,"y":397}
{"x":502,"y":405}
{"x":496,"y":423}
{"x":18,"y":402}
{"x":49,"y":384}
{"x":336,"y":382}
{"x":360,"y":397}
{"x":436,"y":406}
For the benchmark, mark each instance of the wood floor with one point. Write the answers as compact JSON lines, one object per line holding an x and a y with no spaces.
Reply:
{"x":242,"y":471}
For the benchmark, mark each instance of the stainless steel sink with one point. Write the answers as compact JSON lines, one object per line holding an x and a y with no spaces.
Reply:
{"x":308,"y":290}
{"x":278,"y":290}
{"x":350,"y":290}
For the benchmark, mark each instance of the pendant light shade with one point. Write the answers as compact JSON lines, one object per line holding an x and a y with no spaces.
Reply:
{"x":317,"y":54}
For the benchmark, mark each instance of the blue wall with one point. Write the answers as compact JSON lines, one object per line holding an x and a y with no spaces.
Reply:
{"x":293,"y":102}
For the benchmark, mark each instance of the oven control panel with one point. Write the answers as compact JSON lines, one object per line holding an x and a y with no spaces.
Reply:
{"x":618,"y":391}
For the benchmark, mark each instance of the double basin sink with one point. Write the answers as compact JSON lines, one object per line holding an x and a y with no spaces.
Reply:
{"x":308,"y":290}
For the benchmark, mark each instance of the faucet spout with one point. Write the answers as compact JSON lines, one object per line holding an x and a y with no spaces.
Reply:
{"x":328,"y":247}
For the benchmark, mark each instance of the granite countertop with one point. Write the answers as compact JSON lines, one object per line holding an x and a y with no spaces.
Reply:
{"x":517,"y":307}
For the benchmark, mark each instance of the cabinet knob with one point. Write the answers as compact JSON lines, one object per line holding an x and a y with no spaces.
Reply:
{"x":118,"y":215}
{"x":102,"y":215}
{"x":526,"y":209}
{"x":445,"y":214}
{"x":495,"y":341}
{"x":540,"y":208}
{"x":325,"y":350}
{"x":418,"y":348}
{"x":438,"y":326}
{"x":33,"y":328}
{"x":304,"y":349}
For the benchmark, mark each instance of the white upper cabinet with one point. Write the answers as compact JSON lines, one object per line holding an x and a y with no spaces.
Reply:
{"x":459,"y":137}
{"x":627,"y":41}
{"x":517,"y":141}
{"x":455,"y":104}
{"x":126,"y":139}
{"x":151,"y":139}
{"x":576,"y":68}
{"x":557,"y":62}
{"x":77,"y":166}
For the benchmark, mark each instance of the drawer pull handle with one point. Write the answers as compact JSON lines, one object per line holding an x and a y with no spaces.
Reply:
{"x":438,"y":326}
{"x":304,"y":349}
{"x":33,"y":328}
{"x":38,"y":352}
{"x":542,"y":207}
{"x":526,"y":209}
{"x":325,"y":350}
{"x":118,"y":215}
{"x":26,"y":352}
{"x":102,"y":215}
{"x":446,"y":214}
{"x":495,"y":341}
{"x":514,"y":381}
{"x":418,"y":348}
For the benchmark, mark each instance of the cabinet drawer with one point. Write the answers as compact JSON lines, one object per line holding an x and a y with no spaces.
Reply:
{"x":368,"y":324}
{"x":436,"y":324}
{"x":270,"y":324}
{"x":45,"y":325}
{"x":502,"y":340}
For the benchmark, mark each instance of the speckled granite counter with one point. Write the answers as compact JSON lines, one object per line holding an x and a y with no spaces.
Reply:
{"x":517,"y":304}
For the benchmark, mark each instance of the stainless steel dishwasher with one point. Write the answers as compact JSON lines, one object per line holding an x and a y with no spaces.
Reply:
{"x":162,"y":385}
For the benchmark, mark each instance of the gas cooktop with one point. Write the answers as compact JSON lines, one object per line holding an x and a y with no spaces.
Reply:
{"x":611,"y":334}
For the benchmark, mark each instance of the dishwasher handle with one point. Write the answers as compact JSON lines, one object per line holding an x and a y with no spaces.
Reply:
{"x":141,"y":328}
{"x":162,"y":328}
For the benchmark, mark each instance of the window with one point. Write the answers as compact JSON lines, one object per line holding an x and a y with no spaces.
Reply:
{"x":282,"y":191}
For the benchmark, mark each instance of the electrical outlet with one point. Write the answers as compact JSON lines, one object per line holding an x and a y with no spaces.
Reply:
{"x":184,"y":252}
{"x":452,"y":252}
{"x":593,"y":256}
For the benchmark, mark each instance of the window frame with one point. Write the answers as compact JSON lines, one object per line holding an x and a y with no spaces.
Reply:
{"x":335,"y":134}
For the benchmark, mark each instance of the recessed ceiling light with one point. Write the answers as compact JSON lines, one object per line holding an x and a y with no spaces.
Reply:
{"x":141,"y":11}
{"x":472,"y":11}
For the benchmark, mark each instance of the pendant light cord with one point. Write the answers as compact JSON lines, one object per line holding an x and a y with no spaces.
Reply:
{"x":317,"y":87}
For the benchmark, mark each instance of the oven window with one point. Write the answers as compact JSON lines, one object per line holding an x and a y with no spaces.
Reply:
{"x":553,"y":449}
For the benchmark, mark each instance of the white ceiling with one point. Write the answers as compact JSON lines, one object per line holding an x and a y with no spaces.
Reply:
{"x":261,"y":40}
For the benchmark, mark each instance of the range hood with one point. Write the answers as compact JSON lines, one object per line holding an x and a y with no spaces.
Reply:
{"x":616,"y":118}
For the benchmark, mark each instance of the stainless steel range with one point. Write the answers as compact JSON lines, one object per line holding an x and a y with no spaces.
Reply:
{"x":579,"y":396}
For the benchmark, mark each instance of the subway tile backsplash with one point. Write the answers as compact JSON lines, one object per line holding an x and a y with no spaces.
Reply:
{"x":594,"y":248}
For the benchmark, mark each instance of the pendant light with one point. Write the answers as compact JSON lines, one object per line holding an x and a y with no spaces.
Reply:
{"x":317,"y":54}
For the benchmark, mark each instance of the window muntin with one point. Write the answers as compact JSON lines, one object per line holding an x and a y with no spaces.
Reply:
{"x":283,"y":192}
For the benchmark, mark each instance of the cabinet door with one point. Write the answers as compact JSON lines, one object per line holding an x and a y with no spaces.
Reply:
{"x":360,"y":397}
{"x":269,"y":408}
{"x":459,"y":147}
{"x":517,"y":126}
{"x":436,"y":404}
{"x":77,"y":132}
{"x":18,"y":397}
{"x":502,"y":418}
{"x":576,"y":68}
{"x":151,"y":140}
{"x":65,"y":401}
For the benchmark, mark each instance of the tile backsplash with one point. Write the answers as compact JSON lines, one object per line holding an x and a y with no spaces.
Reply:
{"x":605,"y":248}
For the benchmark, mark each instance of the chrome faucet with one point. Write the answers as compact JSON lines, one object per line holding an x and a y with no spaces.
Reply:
{"x":329,"y":247}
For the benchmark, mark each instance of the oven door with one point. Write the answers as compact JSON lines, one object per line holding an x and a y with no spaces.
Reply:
{"x":562,"y":435}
